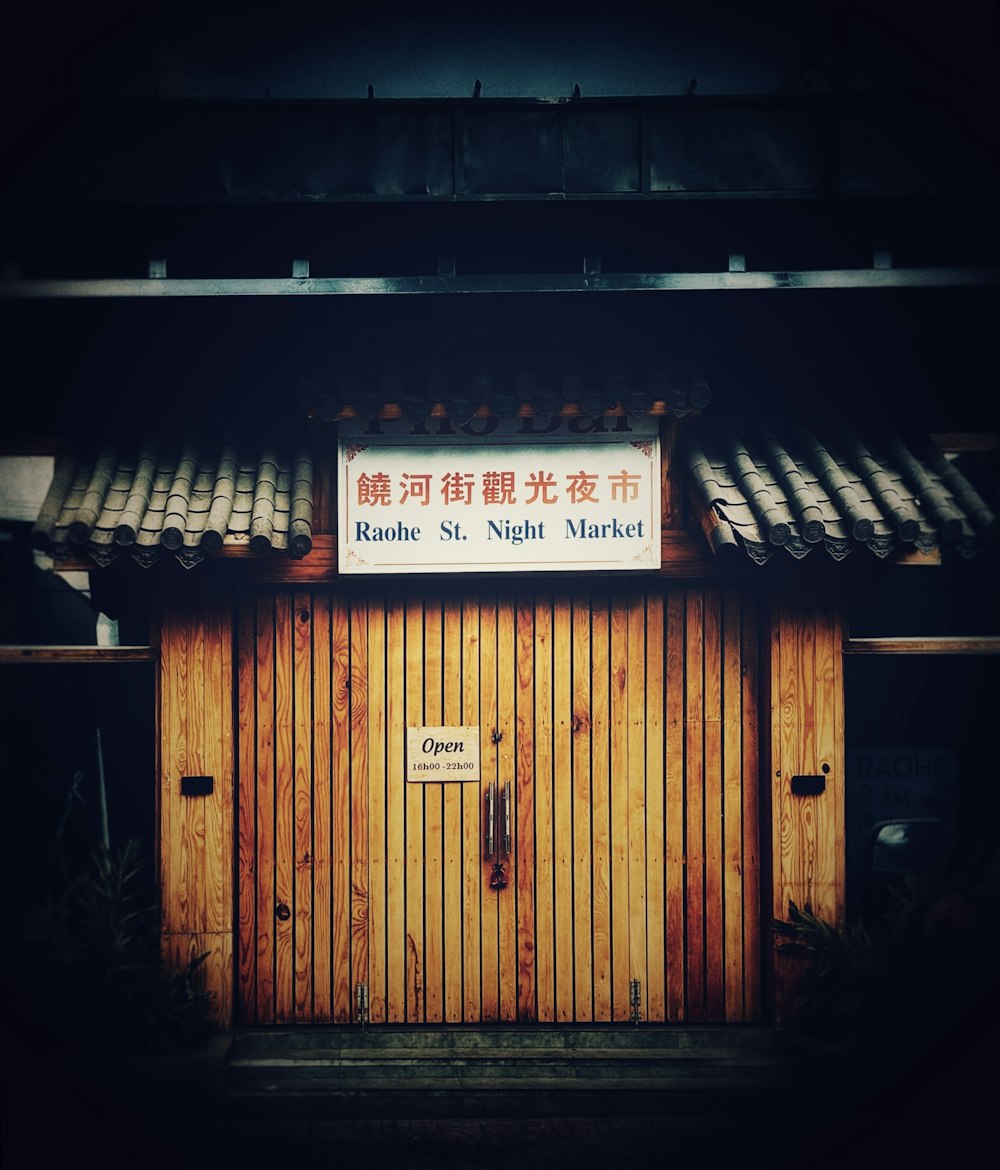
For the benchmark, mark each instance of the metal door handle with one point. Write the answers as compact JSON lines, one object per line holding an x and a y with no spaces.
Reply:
{"x":506,"y":817}
{"x":491,"y":797}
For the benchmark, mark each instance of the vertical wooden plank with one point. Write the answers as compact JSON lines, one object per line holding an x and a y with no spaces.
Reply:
{"x":654,"y":716}
{"x":635,"y":698}
{"x":562,"y":805}
{"x":414,"y":820}
{"x":265,"y":809}
{"x":828,"y":876}
{"x":395,"y":800}
{"x":359,"y":793}
{"x":452,"y":837}
{"x":284,"y":807}
{"x":753,"y":775}
{"x":341,"y":811}
{"x":601,"y":797}
{"x":694,"y":779}
{"x":806,"y":735}
{"x":473,"y":925}
{"x":527,"y":1006}
{"x":674,"y":813}
{"x":304,"y":848}
{"x":544,"y":878}
{"x":619,"y":773}
{"x":732,"y":803}
{"x":377,"y":937}
{"x":247,"y":826}
{"x":795,"y":834}
{"x":171,"y":695}
{"x":181,"y":689}
{"x":195,"y":727}
{"x":583,"y":942}
{"x":508,"y":758}
{"x":712,"y":788}
{"x":219,"y":762}
{"x":322,"y":770}
{"x":491,"y":721}
{"x":433,"y":824}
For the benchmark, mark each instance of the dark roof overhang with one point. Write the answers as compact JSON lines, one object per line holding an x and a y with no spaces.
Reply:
{"x":187,"y":498}
{"x":791,"y":487}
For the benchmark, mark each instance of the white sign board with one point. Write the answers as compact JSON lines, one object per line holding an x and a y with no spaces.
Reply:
{"x":516,"y":499}
{"x":441,"y":754}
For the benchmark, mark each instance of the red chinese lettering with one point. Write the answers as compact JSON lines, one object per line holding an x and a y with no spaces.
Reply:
{"x":625,"y":486}
{"x":541,"y":483}
{"x":581,"y":487}
{"x":456,"y":487}
{"x":498,"y":487}
{"x":416,"y":487}
{"x":374,"y":489}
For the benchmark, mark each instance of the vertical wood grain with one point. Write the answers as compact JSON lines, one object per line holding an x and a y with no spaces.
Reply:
{"x":304,"y":847}
{"x":655,"y":706}
{"x":196,"y":737}
{"x":265,"y":809}
{"x":674,"y":788}
{"x":474,"y":928}
{"x":583,"y":941}
{"x":806,"y":734}
{"x":508,"y":758}
{"x":619,"y":782}
{"x":376,"y":834}
{"x":694,"y":802}
{"x":359,"y":717}
{"x":284,"y":819}
{"x":627,"y":724}
{"x":562,"y":806}
{"x":434,"y":844}
{"x":492,"y":718}
{"x":543,"y":818}
{"x":527,"y":1004}
{"x":395,"y":801}
{"x":733,"y":869}
{"x":343,"y":995}
{"x":635,"y":783}
{"x":322,"y":765}
{"x":415,"y":893}
{"x":601,"y":809}
{"x":453,"y":838}
{"x":712,"y":787}
{"x":247,"y":828}
{"x":753,"y":776}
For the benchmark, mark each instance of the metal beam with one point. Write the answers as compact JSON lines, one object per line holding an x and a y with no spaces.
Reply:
{"x":873,"y":278}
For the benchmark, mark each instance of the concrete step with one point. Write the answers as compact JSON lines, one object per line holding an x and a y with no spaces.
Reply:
{"x":655,"y":1037}
{"x":496,"y":1072}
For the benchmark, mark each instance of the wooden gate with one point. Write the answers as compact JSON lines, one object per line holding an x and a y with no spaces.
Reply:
{"x":626,"y":722}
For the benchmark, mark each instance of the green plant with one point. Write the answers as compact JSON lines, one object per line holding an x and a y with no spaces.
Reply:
{"x":843,"y":990}
{"x":91,"y":971}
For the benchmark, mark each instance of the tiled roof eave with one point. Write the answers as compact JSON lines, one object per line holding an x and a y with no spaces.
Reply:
{"x":801,"y":491}
{"x":185,"y":500}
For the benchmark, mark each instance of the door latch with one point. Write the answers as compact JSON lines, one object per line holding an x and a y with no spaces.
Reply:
{"x":491,"y":801}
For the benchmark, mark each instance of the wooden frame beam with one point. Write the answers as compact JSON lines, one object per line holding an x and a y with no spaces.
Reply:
{"x":82,"y":654}
{"x":984,"y":645}
{"x":132,"y":288}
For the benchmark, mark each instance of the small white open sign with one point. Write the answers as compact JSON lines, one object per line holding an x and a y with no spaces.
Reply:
{"x":442,"y":753}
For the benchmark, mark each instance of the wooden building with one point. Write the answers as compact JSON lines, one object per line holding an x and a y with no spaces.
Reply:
{"x":659,"y":732}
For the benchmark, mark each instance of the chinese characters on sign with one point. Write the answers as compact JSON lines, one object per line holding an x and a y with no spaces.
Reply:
{"x":513,"y":501}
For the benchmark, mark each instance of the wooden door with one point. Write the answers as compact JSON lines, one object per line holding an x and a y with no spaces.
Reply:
{"x":626,"y":723}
